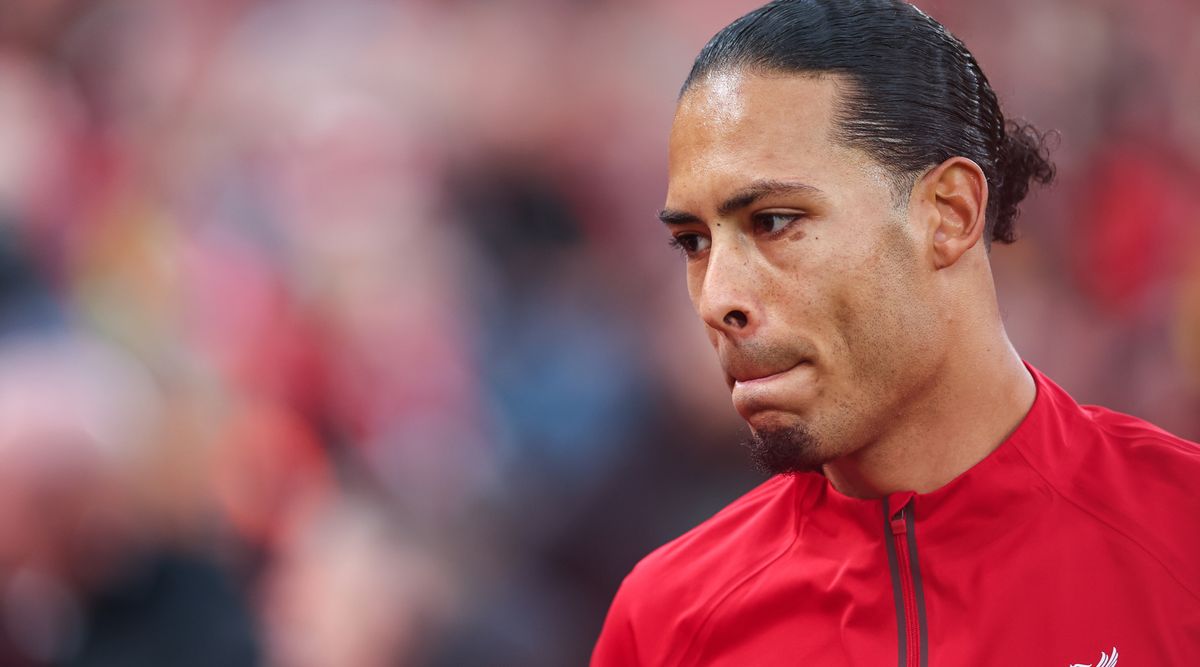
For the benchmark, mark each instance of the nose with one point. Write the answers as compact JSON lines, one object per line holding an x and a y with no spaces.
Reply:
{"x":728,"y":298}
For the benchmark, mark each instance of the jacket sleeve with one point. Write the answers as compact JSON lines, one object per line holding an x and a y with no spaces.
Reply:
{"x":617,"y":646}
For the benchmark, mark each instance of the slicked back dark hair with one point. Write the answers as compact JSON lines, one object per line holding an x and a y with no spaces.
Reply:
{"x":916,"y":96}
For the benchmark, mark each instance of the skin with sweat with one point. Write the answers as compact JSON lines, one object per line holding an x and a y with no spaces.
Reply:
{"x":857,"y":324}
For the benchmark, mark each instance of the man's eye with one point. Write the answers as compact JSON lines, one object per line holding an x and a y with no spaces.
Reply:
{"x":689,"y":244}
{"x":771,"y":223}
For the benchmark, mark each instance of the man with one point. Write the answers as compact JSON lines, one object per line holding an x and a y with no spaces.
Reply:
{"x":837,"y":171}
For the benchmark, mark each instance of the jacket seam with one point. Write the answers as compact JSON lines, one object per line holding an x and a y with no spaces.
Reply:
{"x":1154,"y":434}
{"x":637,"y":654}
{"x":704,"y":623}
{"x":1079,"y":506}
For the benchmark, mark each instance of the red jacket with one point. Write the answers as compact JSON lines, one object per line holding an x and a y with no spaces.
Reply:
{"x":1077,"y":542}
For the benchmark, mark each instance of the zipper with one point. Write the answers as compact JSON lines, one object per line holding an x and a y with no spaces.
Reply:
{"x":912,"y":631}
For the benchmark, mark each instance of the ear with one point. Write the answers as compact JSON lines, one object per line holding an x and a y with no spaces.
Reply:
{"x":953,"y":199}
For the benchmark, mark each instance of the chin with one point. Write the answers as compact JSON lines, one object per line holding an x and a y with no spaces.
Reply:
{"x":780,"y":446}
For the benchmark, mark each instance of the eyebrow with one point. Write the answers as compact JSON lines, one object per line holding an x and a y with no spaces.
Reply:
{"x":743,"y":198}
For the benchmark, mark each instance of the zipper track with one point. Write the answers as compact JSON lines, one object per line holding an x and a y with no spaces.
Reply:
{"x":912,"y":633}
{"x":918,"y":587}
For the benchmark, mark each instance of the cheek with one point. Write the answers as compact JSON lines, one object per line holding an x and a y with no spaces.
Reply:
{"x":714,"y":338}
{"x":882,"y":318}
{"x":695,"y":282}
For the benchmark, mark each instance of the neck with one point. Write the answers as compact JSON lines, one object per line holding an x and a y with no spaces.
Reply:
{"x":973,"y":406}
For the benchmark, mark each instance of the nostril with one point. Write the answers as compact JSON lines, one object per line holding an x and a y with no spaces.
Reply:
{"x":736,"y":318}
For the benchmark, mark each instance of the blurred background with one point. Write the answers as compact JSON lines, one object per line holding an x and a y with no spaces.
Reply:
{"x":343,"y":333}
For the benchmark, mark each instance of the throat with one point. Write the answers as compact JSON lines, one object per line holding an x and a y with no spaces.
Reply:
{"x":929,"y":447}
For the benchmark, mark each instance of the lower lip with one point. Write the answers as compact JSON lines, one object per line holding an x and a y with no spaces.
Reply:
{"x":782,"y":388}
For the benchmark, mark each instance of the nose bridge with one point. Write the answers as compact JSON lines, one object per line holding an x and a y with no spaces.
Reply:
{"x":728,"y":299}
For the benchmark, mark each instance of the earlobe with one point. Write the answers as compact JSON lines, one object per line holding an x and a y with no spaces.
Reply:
{"x":957,"y":192}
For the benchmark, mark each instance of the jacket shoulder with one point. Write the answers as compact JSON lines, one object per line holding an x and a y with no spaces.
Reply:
{"x":670,"y":594}
{"x":761,"y":514}
{"x":1134,"y":478}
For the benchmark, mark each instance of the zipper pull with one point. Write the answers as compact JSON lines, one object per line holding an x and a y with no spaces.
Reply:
{"x":899,"y":527}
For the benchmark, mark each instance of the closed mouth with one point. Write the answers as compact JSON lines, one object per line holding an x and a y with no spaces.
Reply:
{"x":754,"y":379}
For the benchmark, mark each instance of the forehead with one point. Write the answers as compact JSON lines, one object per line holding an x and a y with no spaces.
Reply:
{"x":735,"y":127}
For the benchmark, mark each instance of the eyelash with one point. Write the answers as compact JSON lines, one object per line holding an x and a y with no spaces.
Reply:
{"x":677,"y":243}
{"x":792,"y":218}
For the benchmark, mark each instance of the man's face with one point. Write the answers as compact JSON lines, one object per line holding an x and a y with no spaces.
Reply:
{"x":812,"y":281}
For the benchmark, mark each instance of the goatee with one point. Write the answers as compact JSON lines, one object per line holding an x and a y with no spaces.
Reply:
{"x":784,"y":450}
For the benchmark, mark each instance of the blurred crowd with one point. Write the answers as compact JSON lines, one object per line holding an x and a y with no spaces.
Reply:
{"x":343,"y":333}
